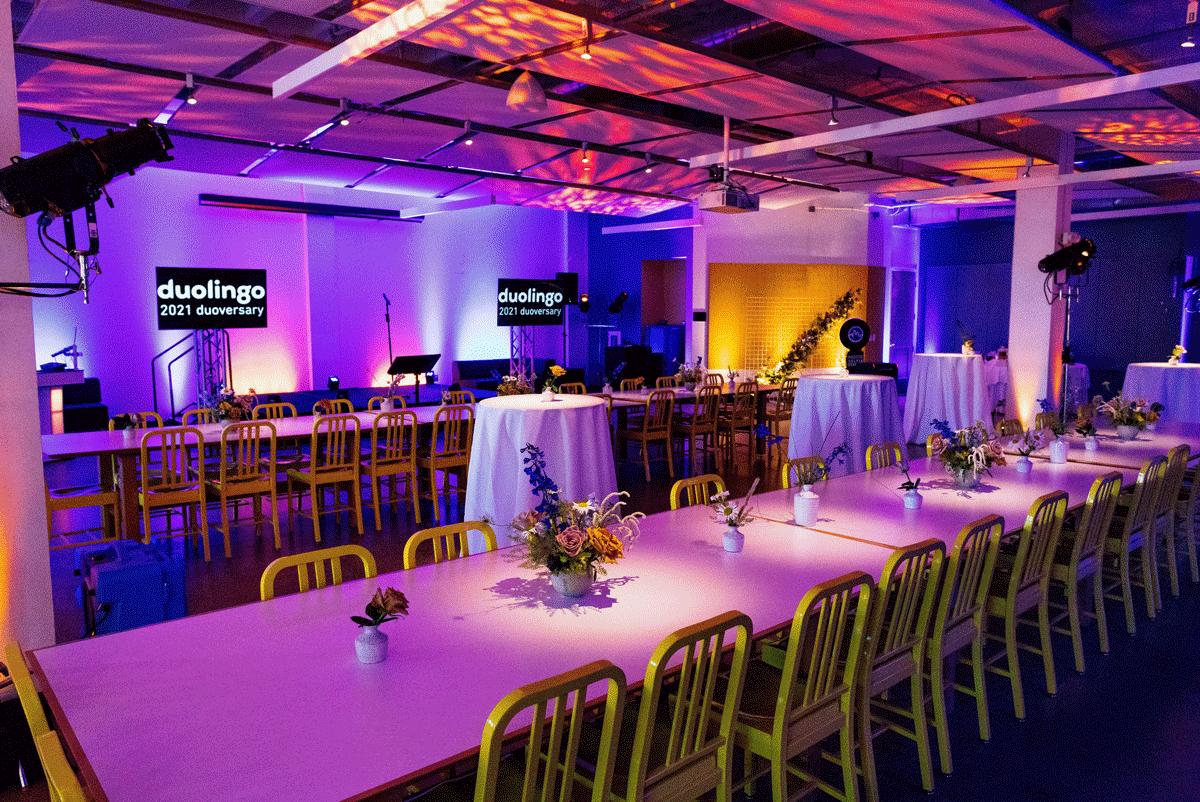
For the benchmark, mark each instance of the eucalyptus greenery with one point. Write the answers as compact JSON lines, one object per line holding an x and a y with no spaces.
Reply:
{"x":803,"y":347}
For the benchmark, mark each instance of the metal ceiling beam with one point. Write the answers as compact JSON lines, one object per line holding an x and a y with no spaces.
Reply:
{"x":1039,"y":182}
{"x":1106,"y":87}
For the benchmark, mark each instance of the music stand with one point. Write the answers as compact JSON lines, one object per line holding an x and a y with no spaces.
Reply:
{"x":416,"y":365}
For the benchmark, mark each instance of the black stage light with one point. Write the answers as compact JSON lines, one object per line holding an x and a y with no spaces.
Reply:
{"x":617,"y":303}
{"x":333,"y":383}
{"x":584,"y":303}
{"x":1075,"y":259}
{"x":70,"y":177}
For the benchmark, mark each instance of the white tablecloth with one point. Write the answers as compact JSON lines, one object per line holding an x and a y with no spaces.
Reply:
{"x":858,"y":410}
{"x":1177,"y":387}
{"x":573,"y":433}
{"x":948,"y":387}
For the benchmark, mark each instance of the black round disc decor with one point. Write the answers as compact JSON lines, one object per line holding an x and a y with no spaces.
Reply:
{"x":855,"y":334}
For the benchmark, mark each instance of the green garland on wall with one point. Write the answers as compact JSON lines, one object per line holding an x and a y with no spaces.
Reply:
{"x":802,"y":348}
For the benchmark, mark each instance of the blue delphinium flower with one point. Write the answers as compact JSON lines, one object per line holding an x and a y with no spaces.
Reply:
{"x":539,"y":482}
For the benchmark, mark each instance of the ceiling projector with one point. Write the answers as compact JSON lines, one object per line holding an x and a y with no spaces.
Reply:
{"x":727,"y":199}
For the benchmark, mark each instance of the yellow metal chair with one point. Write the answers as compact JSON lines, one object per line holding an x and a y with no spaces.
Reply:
{"x":459,"y":397}
{"x":779,"y":407}
{"x":1132,"y":533}
{"x":1045,"y":420}
{"x":333,"y":462}
{"x":697,"y":491}
{"x":31,"y":703}
{"x":392,"y":453}
{"x":700,"y":427}
{"x":274,"y":411}
{"x":666,"y":382}
{"x":787,"y":711}
{"x":714,"y":380}
{"x":1165,"y":546}
{"x":449,"y":451}
{"x":895,"y":652}
{"x":794,"y":469}
{"x":739,"y":416}
{"x":248,"y":472}
{"x":959,"y":622}
{"x":1009,"y":427}
{"x":198,"y":417}
{"x":64,"y":785}
{"x":291,"y":456}
{"x":175,"y":482}
{"x":449,"y":542}
{"x":1188,"y":513}
{"x":675,"y":746}
{"x":1021,"y":585}
{"x":317,"y":559}
{"x":884,"y":455}
{"x":1080,"y":557}
{"x":573,"y":388}
{"x":333,"y":406}
{"x":560,"y":705}
{"x":632,"y":385}
{"x":654,"y":426}
{"x":74,"y":498}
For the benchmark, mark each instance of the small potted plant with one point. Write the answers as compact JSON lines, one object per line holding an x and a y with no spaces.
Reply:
{"x":550,"y":388}
{"x":733,"y":516}
{"x":966,"y":453}
{"x":371,"y":644}
{"x":1153,"y":413}
{"x":912,"y":498}
{"x":1085,"y":429}
{"x":1059,"y":447}
{"x":389,"y":394}
{"x":1026,"y":443}
{"x":806,"y":503}
{"x":1130,"y":417}
{"x":691,"y":375}
{"x":1176,"y":353}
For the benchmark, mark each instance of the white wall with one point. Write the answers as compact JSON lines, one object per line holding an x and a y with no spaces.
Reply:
{"x":325,"y":277}
{"x":836,"y":233}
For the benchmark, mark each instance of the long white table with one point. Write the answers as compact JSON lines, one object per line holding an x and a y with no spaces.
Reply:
{"x":831,"y":409}
{"x":572,"y":431}
{"x":1177,"y":387}
{"x":948,"y":387}
{"x":267,"y":701}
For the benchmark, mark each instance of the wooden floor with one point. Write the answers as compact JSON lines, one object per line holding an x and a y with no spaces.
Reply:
{"x":1128,"y":729}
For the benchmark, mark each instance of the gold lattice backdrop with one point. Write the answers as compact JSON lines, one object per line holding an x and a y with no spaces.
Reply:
{"x":756,"y":311}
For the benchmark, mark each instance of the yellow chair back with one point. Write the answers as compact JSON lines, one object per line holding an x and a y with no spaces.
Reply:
{"x":31,"y":703}
{"x":449,"y":542}
{"x":64,"y":785}
{"x":884,"y":455}
{"x":698,"y":490}
{"x":317,"y":559}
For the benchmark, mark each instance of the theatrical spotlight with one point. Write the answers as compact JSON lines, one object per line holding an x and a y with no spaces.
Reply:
{"x":584,"y":303}
{"x":70,"y":177}
{"x":1075,"y":259}
{"x":618,"y":302}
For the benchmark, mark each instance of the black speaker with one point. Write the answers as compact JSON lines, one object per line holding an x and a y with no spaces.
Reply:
{"x":569,"y":284}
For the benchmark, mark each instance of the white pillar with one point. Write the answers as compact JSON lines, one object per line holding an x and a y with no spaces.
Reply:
{"x":26,"y":604}
{"x":695,"y":332}
{"x":1035,"y":328}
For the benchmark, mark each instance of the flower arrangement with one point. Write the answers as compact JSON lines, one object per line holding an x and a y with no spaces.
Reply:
{"x":1128,"y":413}
{"x":384,"y":606}
{"x":570,"y":537}
{"x":1085,"y":428}
{"x":693,"y":374}
{"x":393,"y":386}
{"x":809,"y":473}
{"x":516,"y":384}
{"x":803,"y":346}
{"x":1028,"y":442}
{"x":729,"y":512}
{"x":556,"y":373}
{"x":1176,"y":353}
{"x":967,"y":450}
{"x":234,"y":407}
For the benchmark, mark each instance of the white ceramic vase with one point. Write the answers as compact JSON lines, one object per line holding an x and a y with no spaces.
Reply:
{"x":805,"y":506}
{"x":1059,"y":449}
{"x":371,"y":645}
{"x":1127,"y":432}
{"x":733,"y":540}
{"x":1090,"y":443}
{"x":607,"y":388}
{"x":549,"y":396}
{"x":913,"y":499}
{"x":572,"y":585}
{"x":1024,"y":464}
{"x":387,"y":405}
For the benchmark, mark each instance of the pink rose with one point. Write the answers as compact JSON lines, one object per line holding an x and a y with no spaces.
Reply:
{"x":571,"y":540}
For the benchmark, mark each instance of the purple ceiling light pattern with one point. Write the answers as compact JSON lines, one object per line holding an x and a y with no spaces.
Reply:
{"x":86,"y":91}
{"x":499,"y":31}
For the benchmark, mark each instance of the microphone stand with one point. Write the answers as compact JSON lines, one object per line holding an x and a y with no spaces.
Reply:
{"x":387,"y":318}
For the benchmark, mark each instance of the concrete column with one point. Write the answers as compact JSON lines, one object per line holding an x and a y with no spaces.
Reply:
{"x":26,"y":604}
{"x":695,"y":332}
{"x":1036,"y":328}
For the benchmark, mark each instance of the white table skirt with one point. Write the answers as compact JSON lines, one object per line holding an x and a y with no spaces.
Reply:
{"x":573,"y":433}
{"x":948,"y":387}
{"x":859,"y":410}
{"x":1177,"y":387}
